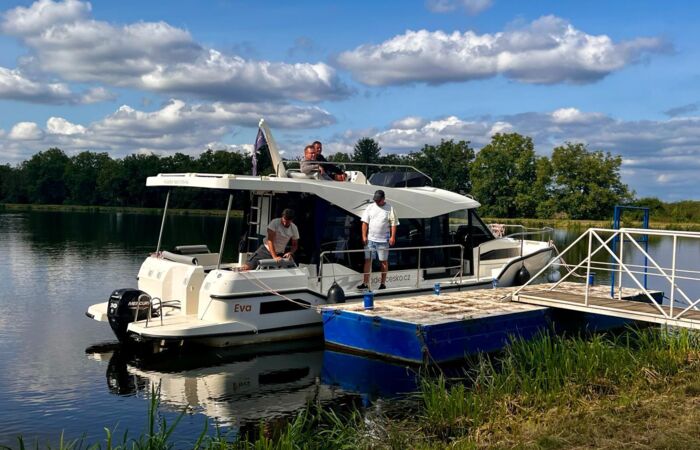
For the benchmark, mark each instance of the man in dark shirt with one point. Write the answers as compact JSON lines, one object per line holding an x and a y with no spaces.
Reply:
{"x":331,"y":169}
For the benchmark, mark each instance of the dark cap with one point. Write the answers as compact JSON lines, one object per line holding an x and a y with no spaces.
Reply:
{"x":378,"y":195}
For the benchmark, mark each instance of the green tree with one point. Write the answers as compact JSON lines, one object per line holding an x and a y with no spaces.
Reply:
{"x":177,"y":163}
{"x":81,"y":177}
{"x":5,"y":184}
{"x":587,"y":184}
{"x":221,"y":161}
{"x":366,"y":150}
{"x":393,"y":158}
{"x":111,"y":183}
{"x":135,"y":170}
{"x":340,"y":157}
{"x":508,"y":180}
{"x":44,"y":176}
{"x":447,"y":163}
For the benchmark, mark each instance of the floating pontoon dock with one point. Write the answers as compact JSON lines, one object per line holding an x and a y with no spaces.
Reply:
{"x":445,"y":327}
{"x":441,"y":328}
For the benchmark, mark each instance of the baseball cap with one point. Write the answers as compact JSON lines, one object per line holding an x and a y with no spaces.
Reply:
{"x":378,"y":195}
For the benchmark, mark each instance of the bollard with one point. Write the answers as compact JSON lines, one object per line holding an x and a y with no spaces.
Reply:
{"x":369,"y":300}
{"x":436,"y":288}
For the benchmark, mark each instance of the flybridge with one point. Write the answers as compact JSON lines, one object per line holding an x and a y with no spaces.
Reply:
{"x":417,"y":202}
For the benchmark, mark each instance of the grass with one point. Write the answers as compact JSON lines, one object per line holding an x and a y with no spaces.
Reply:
{"x":637,"y":389}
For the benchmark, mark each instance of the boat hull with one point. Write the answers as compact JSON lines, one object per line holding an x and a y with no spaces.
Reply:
{"x":283,"y":315}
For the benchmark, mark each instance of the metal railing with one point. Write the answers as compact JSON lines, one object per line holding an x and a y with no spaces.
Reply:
{"x":297,"y":164}
{"x":544,"y":233}
{"x":600,"y":240}
{"x":460,"y":272}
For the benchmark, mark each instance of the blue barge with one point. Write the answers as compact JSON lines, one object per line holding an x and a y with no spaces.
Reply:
{"x":446,"y":327}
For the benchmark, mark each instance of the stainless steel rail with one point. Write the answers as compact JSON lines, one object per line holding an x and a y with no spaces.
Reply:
{"x":357,"y":164}
{"x":420,"y":249}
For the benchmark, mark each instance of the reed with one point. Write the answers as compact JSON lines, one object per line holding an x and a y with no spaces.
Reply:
{"x":552,"y":371}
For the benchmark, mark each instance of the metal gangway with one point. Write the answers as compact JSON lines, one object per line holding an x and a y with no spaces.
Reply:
{"x":676,"y":307}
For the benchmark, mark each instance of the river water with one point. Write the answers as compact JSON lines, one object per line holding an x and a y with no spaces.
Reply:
{"x":62,"y":372}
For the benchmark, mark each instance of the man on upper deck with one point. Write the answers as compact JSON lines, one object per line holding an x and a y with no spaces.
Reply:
{"x":309,"y":166}
{"x":333,"y":171}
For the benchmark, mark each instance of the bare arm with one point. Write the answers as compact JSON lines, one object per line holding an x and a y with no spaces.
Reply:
{"x":290,"y":253}
{"x":392,"y":239}
{"x":271,"y":244}
{"x":365,"y":228}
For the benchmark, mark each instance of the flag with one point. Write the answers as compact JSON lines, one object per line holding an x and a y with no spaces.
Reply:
{"x":260,"y":143}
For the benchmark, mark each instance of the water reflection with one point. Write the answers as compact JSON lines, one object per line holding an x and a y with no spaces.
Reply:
{"x":235,"y":387}
{"x":239,"y":388}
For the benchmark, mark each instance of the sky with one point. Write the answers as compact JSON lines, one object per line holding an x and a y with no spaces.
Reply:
{"x":183,"y":76}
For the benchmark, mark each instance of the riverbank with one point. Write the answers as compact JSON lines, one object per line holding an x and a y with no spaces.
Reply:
{"x":637,"y":389}
{"x":534,"y":223}
{"x":14,"y":207}
{"x":585,"y":224}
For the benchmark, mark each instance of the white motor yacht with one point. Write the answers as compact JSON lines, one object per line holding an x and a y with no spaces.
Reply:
{"x":189,"y":294}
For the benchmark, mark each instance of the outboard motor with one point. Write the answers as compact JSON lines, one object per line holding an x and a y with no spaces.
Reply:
{"x":126,"y":306}
{"x":336,"y":294}
{"x":522,"y":277}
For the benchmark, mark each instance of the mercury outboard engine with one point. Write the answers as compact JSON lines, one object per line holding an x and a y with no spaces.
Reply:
{"x":126,"y":306}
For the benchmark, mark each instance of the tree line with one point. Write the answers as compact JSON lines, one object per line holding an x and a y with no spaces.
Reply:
{"x":506,"y":176}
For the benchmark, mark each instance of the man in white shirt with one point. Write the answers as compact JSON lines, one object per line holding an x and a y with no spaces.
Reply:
{"x":279,"y":233}
{"x":379,"y":224}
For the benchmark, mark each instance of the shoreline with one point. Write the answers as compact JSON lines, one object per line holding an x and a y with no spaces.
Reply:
{"x":21,"y":207}
{"x":554,"y":223}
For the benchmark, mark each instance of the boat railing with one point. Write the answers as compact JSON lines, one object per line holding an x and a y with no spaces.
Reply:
{"x":500,"y":230}
{"x":380,"y":167}
{"x":458,"y":276}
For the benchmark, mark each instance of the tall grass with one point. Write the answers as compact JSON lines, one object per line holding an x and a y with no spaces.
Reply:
{"x":554,"y":371}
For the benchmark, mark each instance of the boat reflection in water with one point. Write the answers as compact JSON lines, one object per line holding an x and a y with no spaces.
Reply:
{"x":232,"y":387}
{"x":240,"y":388}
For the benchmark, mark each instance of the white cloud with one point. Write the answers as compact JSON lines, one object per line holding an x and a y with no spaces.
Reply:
{"x":573,"y":115}
{"x":59,"y":125}
{"x":177,"y":126}
{"x":472,"y":7}
{"x":96,"y":95}
{"x":14,"y":85}
{"x":156,"y":56}
{"x":42,"y":14}
{"x":548,"y":50}
{"x":408,"y":122}
{"x":25,"y":131}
